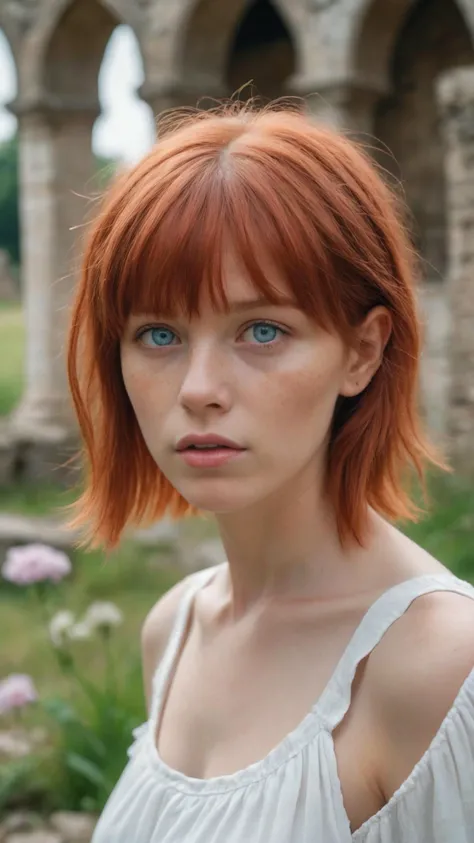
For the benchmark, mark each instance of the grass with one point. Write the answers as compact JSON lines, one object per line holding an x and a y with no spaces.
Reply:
{"x":12,"y":353}
{"x":447,"y":529}
{"x":46,"y":499}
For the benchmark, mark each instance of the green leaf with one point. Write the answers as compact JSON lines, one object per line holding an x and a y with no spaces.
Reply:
{"x":87,"y":769}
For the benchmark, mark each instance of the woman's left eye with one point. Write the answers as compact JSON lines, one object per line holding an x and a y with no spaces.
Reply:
{"x":265,"y":333}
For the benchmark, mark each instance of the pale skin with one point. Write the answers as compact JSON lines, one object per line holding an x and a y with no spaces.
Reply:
{"x":268,"y":630}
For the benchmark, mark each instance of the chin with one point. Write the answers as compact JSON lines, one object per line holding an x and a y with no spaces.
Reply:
{"x":217,"y":499}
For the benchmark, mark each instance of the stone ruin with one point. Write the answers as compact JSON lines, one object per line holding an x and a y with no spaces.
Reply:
{"x":396,"y":74}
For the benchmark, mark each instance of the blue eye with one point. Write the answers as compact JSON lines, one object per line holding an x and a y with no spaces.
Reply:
{"x":264,"y":332}
{"x":160,"y":337}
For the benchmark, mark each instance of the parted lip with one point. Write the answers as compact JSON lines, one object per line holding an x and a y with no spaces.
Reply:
{"x":206,"y":439}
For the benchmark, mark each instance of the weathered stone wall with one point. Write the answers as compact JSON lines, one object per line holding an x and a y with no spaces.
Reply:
{"x":456,"y":100}
{"x":434,"y":38}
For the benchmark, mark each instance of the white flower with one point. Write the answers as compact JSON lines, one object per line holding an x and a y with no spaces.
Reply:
{"x":80,"y":631}
{"x":60,"y":626}
{"x":103,"y":615}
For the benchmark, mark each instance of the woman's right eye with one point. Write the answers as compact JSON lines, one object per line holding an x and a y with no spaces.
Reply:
{"x":156,"y":337}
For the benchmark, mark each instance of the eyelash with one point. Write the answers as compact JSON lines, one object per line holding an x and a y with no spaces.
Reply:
{"x":267,"y":345}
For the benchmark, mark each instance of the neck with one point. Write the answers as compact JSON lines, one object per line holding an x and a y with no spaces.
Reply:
{"x":289,"y":548}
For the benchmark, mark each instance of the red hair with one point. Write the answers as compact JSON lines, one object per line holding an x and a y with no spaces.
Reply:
{"x":281,"y":185}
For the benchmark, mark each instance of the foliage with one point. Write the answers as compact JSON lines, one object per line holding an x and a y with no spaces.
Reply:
{"x":91,"y":691}
{"x":9,"y":211}
{"x":91,"y":738}
{"x":12,"y":351}
{"x":90,"y":732}
{"x":447,"y":530}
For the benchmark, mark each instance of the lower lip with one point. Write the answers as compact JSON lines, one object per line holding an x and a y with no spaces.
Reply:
{"x":210,"y":459}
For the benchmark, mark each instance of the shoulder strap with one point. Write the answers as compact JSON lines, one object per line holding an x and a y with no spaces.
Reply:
{"x":389,"y":607}
{"x":166,"y":665}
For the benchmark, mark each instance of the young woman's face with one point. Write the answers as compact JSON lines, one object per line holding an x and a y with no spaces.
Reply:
{"x":264,"y":376}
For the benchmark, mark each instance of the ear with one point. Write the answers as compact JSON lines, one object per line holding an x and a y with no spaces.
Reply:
{"x":366,"y":352}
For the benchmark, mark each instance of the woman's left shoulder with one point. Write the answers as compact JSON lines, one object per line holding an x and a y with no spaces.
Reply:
{"x":421,"y":679}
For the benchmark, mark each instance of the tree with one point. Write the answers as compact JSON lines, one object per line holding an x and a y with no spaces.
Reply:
{"x":9,"y":213}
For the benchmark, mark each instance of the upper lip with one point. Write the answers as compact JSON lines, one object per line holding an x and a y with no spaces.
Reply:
{"x":206,"y":439}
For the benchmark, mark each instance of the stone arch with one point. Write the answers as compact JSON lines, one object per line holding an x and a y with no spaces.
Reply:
{"x":74,"y":52}
{"x":52,"y":33}
{"x":374,"y":33}
{"x":8,"y":29}
{"x":262,"y":50}
{"x":208,"y":34}
{"x":125,"y":129}
{"x":9,"y":87}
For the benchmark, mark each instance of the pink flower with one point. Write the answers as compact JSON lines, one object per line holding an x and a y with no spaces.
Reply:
{"x":34,"y":563}
{"x":16,"y":691}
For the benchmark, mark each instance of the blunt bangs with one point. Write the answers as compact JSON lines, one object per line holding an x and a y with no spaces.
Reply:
{"x":166,"y":250}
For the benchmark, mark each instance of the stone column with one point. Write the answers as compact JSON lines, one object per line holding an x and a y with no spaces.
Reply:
{"x":56,"y":168}
{"x":455,"y":91}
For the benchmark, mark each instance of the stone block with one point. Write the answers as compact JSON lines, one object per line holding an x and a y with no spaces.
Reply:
{"x":39,"y":836}
{"x":73,"y":827}
{"x":21,"y":529}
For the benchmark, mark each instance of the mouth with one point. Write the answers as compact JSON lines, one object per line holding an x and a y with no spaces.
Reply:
{"x":207,"y":442}
{"x":211,"y":457}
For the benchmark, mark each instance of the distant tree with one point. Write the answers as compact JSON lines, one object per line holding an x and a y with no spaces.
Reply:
{"x":9,"y":214}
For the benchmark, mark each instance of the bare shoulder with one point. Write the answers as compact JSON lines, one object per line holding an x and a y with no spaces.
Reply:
{"x":414,"y":676}
{"x":156,"y":631}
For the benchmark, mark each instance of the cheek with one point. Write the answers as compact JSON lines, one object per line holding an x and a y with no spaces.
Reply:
{"x":305,"y":396}
{"x":141,"y":388}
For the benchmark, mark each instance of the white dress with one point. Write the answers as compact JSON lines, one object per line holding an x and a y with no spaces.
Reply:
{"x":293,"y":795}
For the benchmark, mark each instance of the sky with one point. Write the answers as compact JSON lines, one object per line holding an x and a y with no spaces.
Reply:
{"x":125,"y":128}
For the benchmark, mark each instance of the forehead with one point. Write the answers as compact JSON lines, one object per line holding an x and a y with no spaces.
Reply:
{"x":238,"y":286}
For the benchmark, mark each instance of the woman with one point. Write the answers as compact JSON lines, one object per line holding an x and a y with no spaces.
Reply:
{"x":245,"y":343}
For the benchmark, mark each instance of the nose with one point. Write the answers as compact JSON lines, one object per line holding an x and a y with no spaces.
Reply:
{"x":205,"y":384}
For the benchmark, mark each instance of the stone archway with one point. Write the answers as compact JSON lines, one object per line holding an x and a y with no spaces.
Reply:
{"x":262,"y":51}
{"x":73,"y":55}
{"x":218,"y":46}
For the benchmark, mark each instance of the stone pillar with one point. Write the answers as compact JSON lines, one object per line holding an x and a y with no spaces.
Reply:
{"x":455,"y":91}
{"x":345,"y":106}
{"x":56,"y":169}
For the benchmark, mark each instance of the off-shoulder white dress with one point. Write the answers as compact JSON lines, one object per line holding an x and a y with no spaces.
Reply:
{"x":293,"y":795}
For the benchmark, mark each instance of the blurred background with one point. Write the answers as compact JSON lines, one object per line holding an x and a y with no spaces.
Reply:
{"x":82,"y":87}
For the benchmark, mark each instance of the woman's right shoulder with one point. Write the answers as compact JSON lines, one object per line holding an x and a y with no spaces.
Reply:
{"x":157,"y":628}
